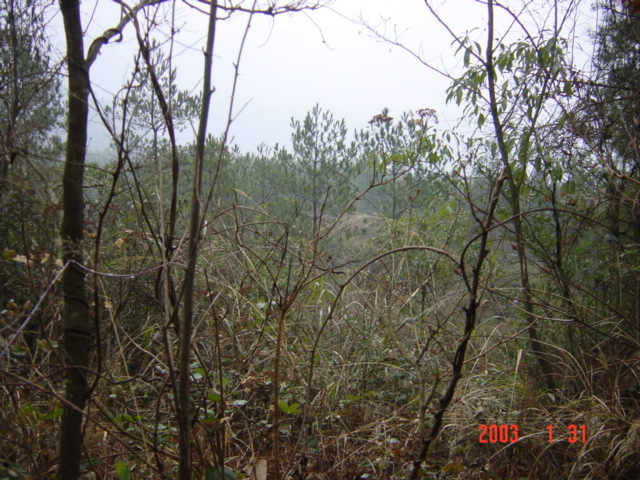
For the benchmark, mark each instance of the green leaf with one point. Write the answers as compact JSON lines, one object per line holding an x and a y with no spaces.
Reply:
{"x":123,"y":471}
{"x":563,"y":120}
{"x":218,"y":473}
{"x":55,"y":413}
{"x":610,"y":237}
{"x":214,"y":397}
{"x":211,"y":421}
{"x":292,"y":409}
{"x":124,"y":418}
{"x":509,"y":145}
{"x":9,"y":254}
{"x":568,"y":188}
{"x":557,"y":173}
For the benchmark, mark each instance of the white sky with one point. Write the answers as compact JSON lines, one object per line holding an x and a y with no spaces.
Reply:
{"x":293,"y":61}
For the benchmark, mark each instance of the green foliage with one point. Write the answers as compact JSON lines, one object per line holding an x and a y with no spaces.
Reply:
{"x":29,"y":85}
{"x":289,"y":409}
{"x":528,"y":75}
{"x":324,"y":162}
{"x":11,"y":471}
{"x":218,"y":473}
{"x":123,"y":471}
{"x":269,"y":180}
{"x":401,"y":156}
{"x":145,"y":112}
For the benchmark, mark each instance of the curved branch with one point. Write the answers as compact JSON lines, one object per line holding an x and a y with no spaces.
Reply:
{"x":98,"y":43}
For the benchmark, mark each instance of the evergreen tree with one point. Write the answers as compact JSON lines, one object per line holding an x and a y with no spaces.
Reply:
{"x":29,"y":87}
{"x":323,"y":156}
{"x":608,"y":119}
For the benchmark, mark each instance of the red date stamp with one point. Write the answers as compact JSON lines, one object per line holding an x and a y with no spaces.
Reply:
{"x":498,"y":434}
{"x":509,"y":434}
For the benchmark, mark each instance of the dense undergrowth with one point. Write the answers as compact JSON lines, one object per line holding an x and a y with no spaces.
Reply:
{"x":365,"y":346}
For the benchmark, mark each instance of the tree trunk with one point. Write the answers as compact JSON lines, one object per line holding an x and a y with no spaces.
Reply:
{"x":516,"y":211}
{"x":77,"y":328}
{"x":186,"y":327}
{"x":526,"y":296}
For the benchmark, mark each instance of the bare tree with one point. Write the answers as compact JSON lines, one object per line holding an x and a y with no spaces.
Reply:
{"x":78,"y":326}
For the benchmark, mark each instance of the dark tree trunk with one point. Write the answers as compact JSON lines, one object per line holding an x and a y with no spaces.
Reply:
{"x":77,"y":327}
{"x":195,"y":228}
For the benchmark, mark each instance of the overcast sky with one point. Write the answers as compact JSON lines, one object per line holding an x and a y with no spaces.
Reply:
{"x":293,"y":61}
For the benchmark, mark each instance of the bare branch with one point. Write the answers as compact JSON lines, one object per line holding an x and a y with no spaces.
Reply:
{"x":96,"y":45}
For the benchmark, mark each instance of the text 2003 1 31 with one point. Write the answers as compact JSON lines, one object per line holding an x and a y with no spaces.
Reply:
{"x":510,"y":434}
